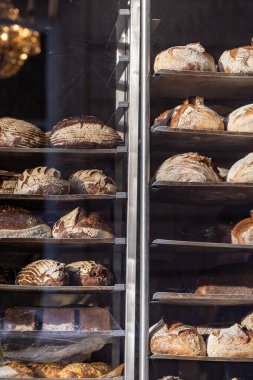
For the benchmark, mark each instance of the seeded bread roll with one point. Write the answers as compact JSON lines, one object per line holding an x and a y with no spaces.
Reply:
{"x":20,"y":134}
{"x":235,"y":341}
{"x":8,"y":182}
{"x":238,"y":60}
{"x":89,"y":273}
{"x":78,"y":224}
{"x":43,"y":273}
{"x":46,"y":370}
{"x":241,"y":120}
{"x":178,"y":339}
{"x":242,"y":233}
{"x":84,"y":132}
{"x":92,"y":182}
{"x":13,"y":370}
{"x":84,"y":370}
{"x":242,"y":170}
{"x":191,"y":57}
{"x":16,"y":222}
{"x":41,"y":181}
{"x":19,"y":319}
{"x":188,"y":167}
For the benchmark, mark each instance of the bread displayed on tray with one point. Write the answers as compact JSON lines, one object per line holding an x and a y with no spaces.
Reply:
{"x":80,"y":225}
{"x":8,"y":181}
{"x":94,"y":319}
{"x":84,"y":370}
{"x":89,"y":273}
{"x":84,"y":132}
{"x":18,"y":223}
{"x":242,"y":170}
{"x":241,"y":120}
{"x":41,"y":181}
{"x":58,"y":319}
{"x":92,"y":182}
{"x":237,"y":60}
{"x":242,"y":233}
{"x":13,"y":370}
{"x":19,"y":319}
{"x":193,"y":115}
{"x":46,"y":370}
{"x":191,"y":57}
{"x":188,"y":167}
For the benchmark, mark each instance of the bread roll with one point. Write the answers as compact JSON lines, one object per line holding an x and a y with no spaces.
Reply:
{"x":192,"y":57}
{"x":242,"y":170}
{"x":188,"y":167}
{"x":8,"y":182}
{"x":13,"y":370}
{"x":92,"y":182}
{"x":84,"y":370}
{"x":84,"y":132}
{"x":19,"y":223}
{"x":234,"y":341}
{"x":80,"y":225}
{"x":88,"y":273}
{"x":20,"y":134}
{"x":247,"y":321}
{"x":241,"y":120}
{"x":178,"y":339}
{"x":46,"y":370}
{"x":43,"y":273}
{"x":238,"y":60}
{"x":41,"y":181}
{"x":242,"y":233}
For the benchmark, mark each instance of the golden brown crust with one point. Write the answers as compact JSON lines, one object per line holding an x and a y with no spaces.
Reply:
{"x":20,"y":368}
{"x":92,"y":182}
{"x":46,"y":370}
{"x":242,"y":233}
{"x":89,"y":273}
{"x":84,"y":370}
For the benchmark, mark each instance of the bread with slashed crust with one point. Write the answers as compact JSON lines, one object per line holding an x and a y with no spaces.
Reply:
{"x":92,"y":182}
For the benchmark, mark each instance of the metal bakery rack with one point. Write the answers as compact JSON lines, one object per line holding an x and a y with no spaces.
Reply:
{"x":185,"y":227}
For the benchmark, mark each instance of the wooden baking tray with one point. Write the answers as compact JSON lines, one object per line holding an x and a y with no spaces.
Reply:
{"x":200,"y":358}
{"x":61,"y":289}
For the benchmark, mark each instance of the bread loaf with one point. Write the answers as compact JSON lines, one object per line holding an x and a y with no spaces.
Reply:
{"x":46,"y":370}
{"x":94,"y":319}
{"x":84,"y":370}
{"x":41,"y":181}
{"x":241,"y":120}
{"x":78,"y":224}
{"x":247,"y":321}
{"x":19,"y":319}
{"x":19,"y":223}
{"x":192,"y":57}
{"x":188,"y":167}
{"x":58,"y":319}
{"x":238,"y":60}
{"x":242,"y":233}
{"x":178,"y":339}
{"x":20,"y":134}
{"x":8,"y":182}
{"x":43,"y":273}
{"x":234,"y":341}
{"x":13,"y":370}
{"x":92,"y":182}
{"x":84,"y":132}
{"x":88,"y":273}
{"x":242,"y":170}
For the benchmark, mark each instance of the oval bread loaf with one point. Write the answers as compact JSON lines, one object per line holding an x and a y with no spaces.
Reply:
{"x":242,"y":170}
{"x":92,"y":182}
{"x":241,"y":120}
{"x":88,"y":273}
{"x":238,"y":60}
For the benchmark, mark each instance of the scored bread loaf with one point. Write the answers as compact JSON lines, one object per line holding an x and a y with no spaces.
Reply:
{"x":41,"y":181}
{"x":191,"y":57}
{"x":188,"y":167}
{"x":238,"y":60}
{"x":84,"y":370}
{"x":92,"y":182}
{"x":13,"y":370}
{"x":178,"y":339}
{"x":43,"y":273}
{"x":79,"y":224}
{"x":16,"y":222}
{"x":235,"y":341}
{"x":242,"y":170}
{"x":241,"y":120}
{"x":242,"y":233}
{"x":84,"y":132}
{"x":8,"y":182}
{"x":89,"y":273}
{"x":46,"y":370}
{"x":20,"y":134}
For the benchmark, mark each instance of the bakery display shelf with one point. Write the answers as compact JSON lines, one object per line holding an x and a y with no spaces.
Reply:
{"x":212,"y":85}
{"x":41,"y":335}
{"x":104,"y":378}
{"x":61,"y":289}
{"x":63,"y":198}
{"x":202,"y":358}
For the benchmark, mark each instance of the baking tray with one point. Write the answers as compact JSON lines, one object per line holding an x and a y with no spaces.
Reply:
{"x":61,"y":289}
{"x":59,"y":335}
{"x":200,"y":358}
{"x":63,"y":198}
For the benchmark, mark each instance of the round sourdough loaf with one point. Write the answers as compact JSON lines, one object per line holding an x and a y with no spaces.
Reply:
{"x":92,"y":182}
{"x":192,"y":57}
{"x":89,"y":273}
{"x":242,"y":170}
{"x":241,"y":120}
{"x":84,"y":370}
{"x":238,"y":60}
{"x":242,"y":233}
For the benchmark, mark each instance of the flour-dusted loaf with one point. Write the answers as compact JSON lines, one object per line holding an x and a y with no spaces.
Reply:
{"x":247,"y":321}
{"x":94,"y":319}
{"x":20,"y":134}
{"x":188,"y":167}
{"x":178,"y":339}
{"x":84,"y":370}
{"x":58,"y":319}
{"x":43,"y":273}
{"x":8,"y":181}
{"x":41,"y":181}
{"x":241,"y":120}
{"x":19,"y":319}
{"x":238,"y":60}
{"x":92,"y":182}
{"x":192,"y":57}
{"x":242,"y":233}
{"x":192,"y":114}
{"x":88,"y":273}
{"x":242,"y":170}
{"x":15,"y":370}
{"x":46,"y":370}
{"x":16,"y":222}
{"x":235,"y":341}
{"x":80,"y":225}
{"x":84,"y":132}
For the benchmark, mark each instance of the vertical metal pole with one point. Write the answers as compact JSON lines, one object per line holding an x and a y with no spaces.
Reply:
{"x":144,"y":190}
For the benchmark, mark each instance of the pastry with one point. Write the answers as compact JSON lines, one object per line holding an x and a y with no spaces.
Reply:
{"x":178,"y":339}
{"x":16,"y":222}
{"x":84,"y":132}
{"x":242,"y":233}
{"x":41,"y":181}
{"x":92,"y":182}
{"x":241,"y":120}
{"x":235,"y":341}
{"x":7,"y":274}
{"x":247,"y":321}
{"x":84,"y":370}
{"x":188,"y":167}
{"x":192,"y":57}
{"x":46,"y":370}
{"x":8,"y":182}
{"x":238,"y":60}
{"x":43,"y":273}
{"x":80,"y":225}
{"x":13,"y":370}
{"x":19,"y":319}
{"x":20,"y":134}
{"x":192,"y":114}
{"x":94,"y":319}
{"x":242,"y":170}
{"x":58,"y":319}
{"x":88,"y":273}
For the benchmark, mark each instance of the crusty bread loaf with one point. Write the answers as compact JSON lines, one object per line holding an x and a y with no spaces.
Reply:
{"x":13,"y":370}
{"x":20,"y":134}
{"x":235,"y":341}
{"x":19,"y":319}
{"x":247,"y":321}
{"x":178,"y":339}
{"x":241,"y":120}
{"x":46,"y":370}
{"x":41,"y":181}
{"x":242,"y":233}
{"x":238,"y":60}
{"x":19,"y":223}
{"x":92,"y":182}
{"x":43,"y":273}
{"x":191,"y":57}
{"x":79,"y":224}
{"x":188,"y":167}
{"x":8,"y":182}
{"x":84,"y":132}
{"x":88,"y":273}
{"x":242,"y":170}
{"x":84,"y":370}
